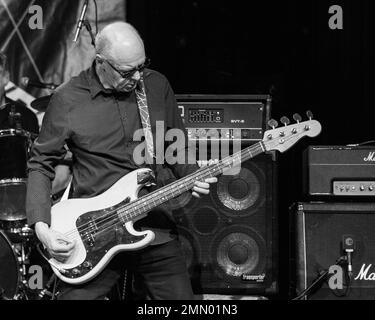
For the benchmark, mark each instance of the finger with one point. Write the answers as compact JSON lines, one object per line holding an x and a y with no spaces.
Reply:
{"x":60,"y":255}
{"x":68,"y":244}
{"x":211,"y":180}
{"x":61,"y":248}
{"x":201,"y":184}
{"x":196,"y":195}
{"x":201,"y":190}
{"x":213,"y":161}
{"x":202,"y":163}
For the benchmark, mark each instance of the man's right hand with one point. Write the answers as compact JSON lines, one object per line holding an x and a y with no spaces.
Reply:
{"x":58,"y":245}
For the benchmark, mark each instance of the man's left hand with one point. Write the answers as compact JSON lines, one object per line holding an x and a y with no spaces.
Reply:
{"x":202,"y":187}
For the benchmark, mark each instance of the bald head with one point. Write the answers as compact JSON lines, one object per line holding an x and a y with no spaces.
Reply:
{"x":120,"y":43}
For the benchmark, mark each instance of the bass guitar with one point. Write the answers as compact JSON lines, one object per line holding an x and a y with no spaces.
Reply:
{"x":102,"y":226}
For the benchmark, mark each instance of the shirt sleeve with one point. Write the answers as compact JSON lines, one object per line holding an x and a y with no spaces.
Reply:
{"x":47,"y":150}
{"x":174,"y":121}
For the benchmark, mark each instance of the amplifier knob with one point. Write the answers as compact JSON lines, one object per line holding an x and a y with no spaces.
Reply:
{"x":371,"y":188}
{"x":362,"y":188}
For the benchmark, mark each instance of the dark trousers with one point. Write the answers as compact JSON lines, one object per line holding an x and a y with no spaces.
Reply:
{"x":159,"y":273}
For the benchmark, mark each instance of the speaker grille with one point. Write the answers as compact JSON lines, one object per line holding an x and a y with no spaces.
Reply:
{"x":243,"y":193}
{"x":320,"y":229}
{"x":229,"y":236}
{"x":237,"y":251}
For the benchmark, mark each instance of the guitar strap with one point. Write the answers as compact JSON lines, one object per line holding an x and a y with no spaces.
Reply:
{"x":66,"y":192}
{"x":140,"y":93}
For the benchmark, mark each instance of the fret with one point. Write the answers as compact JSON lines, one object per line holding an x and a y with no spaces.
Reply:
{"x":251,"y":155}
{"x":171,"y":191}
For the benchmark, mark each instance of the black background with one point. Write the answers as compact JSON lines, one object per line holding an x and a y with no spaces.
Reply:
{"x":282,"y":48}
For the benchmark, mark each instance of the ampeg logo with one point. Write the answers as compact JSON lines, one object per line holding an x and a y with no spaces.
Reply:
{"x":370,"y":157}
{"x":254,"y":277}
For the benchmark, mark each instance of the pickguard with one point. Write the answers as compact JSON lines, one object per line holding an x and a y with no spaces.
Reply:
{"x":99,"y":234}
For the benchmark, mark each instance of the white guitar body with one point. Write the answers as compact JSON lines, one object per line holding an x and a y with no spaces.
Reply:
{"x":65,"y":215}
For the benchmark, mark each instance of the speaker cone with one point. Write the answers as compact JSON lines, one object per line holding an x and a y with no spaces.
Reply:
{"x":240,"y":194}
{"x":238,"y":250}
{"x":205,"y":220}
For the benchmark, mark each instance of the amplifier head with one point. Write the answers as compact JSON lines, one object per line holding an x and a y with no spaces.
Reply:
{"x":339,"y":171}
{"x":225,"y":117}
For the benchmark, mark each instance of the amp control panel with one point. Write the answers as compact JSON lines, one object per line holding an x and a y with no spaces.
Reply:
{"x":354,"y":188}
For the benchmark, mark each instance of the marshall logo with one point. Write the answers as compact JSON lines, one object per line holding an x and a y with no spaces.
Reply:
{"x":370,"y":157}
{"x":364,"y":273}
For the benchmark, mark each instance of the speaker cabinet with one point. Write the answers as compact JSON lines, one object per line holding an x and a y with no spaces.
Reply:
{"x":320,"y":230}
{"x":229,"y":237}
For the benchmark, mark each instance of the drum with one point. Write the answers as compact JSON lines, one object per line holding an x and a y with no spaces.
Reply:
{"x":14,"y":153}
{"x":13,"y":199}
{"x":17,"y":231}
{"x":9,"y":269}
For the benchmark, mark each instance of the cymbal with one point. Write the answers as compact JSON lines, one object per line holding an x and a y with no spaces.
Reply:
{"x":41,"y":103}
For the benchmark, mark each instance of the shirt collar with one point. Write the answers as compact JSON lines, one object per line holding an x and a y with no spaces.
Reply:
{"x":94,"y":83}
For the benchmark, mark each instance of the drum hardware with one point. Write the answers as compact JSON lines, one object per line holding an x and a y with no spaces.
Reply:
{"x":17,"y":239}
{"x":14,"y":278}
{"x":46,"y":293}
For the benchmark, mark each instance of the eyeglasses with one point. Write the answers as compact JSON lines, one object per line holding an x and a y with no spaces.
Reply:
{"x":130,"y":73}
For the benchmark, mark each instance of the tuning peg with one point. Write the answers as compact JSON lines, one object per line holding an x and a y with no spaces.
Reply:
{"x":297,"y":117}
{"x":273,"y":123}
{"x":285,"y":121}
{"x":309,"y":114}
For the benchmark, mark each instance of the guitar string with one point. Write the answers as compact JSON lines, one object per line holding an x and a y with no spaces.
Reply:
{"x":256,"y":149}
{"x":128,"y":214}
{"x":151,"y":197}
{"x":110,"y":224}
{"x":155,"y":193}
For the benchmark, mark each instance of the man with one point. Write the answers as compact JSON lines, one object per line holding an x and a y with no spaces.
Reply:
{"x":96,"y":115}
{"x":14,"y":114}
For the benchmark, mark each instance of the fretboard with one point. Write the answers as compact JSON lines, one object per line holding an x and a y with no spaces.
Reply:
{"x":152,"y":200}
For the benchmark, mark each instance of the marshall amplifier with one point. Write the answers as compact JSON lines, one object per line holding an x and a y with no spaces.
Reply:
{"x":225,"y":117}
{"x":339,"y":171}
{"x":320,"y":234}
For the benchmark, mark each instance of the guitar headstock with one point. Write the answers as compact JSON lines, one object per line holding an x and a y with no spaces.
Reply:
{"x":283,"y":138}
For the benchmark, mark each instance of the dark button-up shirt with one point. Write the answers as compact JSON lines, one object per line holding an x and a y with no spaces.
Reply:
{"x":98,"y":125}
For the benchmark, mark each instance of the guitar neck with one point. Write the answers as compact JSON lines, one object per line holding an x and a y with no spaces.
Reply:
{"x":166,"y":193}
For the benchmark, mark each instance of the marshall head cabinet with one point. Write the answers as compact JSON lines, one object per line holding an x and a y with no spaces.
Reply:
{"x":339,"y":171}
{"x":225,"y":117}
{"x":324,"y":232}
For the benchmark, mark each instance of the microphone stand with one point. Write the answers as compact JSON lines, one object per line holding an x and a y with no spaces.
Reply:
{"x":80,"y":21}
{"x":86,"y":23}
